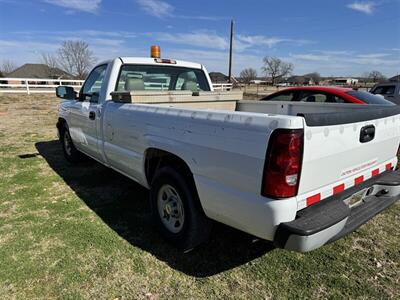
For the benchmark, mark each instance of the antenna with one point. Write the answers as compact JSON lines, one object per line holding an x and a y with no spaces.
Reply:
{"x":230,"y":54}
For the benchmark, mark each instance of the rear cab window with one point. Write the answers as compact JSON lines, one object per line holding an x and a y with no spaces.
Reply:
{"x":161,"y":78}
{"x":369,"y":98}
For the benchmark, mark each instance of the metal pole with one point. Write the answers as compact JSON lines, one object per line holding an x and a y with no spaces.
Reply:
{"x":230,"y":54}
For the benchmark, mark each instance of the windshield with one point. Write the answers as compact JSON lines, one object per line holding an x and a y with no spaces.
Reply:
{"x":369,"y":98}
{"x":161,"y":78}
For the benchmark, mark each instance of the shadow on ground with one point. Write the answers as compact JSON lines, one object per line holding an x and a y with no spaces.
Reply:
{"x":123,"y":205}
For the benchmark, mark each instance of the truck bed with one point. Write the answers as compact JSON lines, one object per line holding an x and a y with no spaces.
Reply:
{"x":315,"y":114}
{"x":331,"y":136}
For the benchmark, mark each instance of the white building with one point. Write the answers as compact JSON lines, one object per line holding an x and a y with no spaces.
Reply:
{"x":345,"y":81}
{"x":257,"y":81}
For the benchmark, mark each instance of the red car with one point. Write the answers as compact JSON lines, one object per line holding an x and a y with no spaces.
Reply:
{"x":326,"y":95}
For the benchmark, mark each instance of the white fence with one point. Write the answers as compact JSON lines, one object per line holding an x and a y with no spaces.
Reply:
{"x":44,"y":85}
{"x":35,"y":85}
{"x":222,"y":86}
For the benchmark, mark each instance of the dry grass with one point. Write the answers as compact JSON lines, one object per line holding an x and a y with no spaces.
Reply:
{"x":85,"y":232}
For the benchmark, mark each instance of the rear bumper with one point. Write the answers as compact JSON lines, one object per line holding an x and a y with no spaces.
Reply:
{"x":332,"y":218}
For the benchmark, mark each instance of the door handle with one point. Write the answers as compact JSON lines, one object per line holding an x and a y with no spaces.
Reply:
{"x":92,"y":115}
{"x":367,"y":133}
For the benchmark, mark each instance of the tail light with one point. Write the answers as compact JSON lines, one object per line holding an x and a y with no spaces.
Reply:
{"x":283,"y":163}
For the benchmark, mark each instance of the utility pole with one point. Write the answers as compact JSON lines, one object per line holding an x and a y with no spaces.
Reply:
{"x":230,"y":54}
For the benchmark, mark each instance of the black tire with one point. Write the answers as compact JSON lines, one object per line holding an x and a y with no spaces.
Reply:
{"x":196,"y":226}
{"x":71,"y":154}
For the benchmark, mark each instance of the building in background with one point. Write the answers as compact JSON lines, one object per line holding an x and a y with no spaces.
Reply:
{"x":39,"y":71}
{"x":36,"y":71}
{"x":345,"y":81}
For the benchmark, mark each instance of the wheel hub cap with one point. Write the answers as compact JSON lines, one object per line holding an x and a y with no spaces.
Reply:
{"x":170,"y":208}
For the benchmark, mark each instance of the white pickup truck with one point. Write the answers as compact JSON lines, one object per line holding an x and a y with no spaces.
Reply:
{"x":298,"y":174}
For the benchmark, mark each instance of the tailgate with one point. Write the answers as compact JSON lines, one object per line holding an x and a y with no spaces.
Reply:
{"x":344,"y":149}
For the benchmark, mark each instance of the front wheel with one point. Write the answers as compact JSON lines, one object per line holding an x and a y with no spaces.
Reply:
{"x":70,"y":152}
{"x":176,"y":209}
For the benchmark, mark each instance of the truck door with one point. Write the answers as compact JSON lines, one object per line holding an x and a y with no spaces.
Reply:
{"x":85,"y":114}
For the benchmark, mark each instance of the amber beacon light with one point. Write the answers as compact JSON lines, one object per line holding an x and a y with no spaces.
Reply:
{"x":155,"y":51}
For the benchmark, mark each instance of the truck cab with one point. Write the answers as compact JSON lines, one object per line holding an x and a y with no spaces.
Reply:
{"x":126,"y":74}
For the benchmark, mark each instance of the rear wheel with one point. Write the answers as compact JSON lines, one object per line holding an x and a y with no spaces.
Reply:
{"x":170,"y":208}
{"x":70,"y":152}
{"x":176,"y":209}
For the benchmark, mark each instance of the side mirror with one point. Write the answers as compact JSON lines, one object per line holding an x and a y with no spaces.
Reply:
{"x":65,"y":92}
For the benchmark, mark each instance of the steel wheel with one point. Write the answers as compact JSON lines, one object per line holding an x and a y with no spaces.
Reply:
{"x":170,"y":208}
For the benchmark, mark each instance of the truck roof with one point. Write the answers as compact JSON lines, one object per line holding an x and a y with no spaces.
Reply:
{"x":152,"y":61}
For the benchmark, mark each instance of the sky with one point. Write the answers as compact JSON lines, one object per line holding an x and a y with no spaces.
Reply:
{"x":332,"y":37}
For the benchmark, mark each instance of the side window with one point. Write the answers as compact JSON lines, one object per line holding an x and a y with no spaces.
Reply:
{"x":390,"y":90}
{"x":284,"y":96}
{"x":91,"y":88}
{"x":337,"y":99}
{"x":377,"y":90}
{"x":314,"y":97}
{"x":384,"y":90}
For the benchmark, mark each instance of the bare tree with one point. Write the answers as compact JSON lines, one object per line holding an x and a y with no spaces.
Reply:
{"x":51,"y":61}
{"x":376,"y":76}
{"x":76,"y":58}
{"x":248,"y":75}
{"x":7,"y":66}
{"x":276,"y":68}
